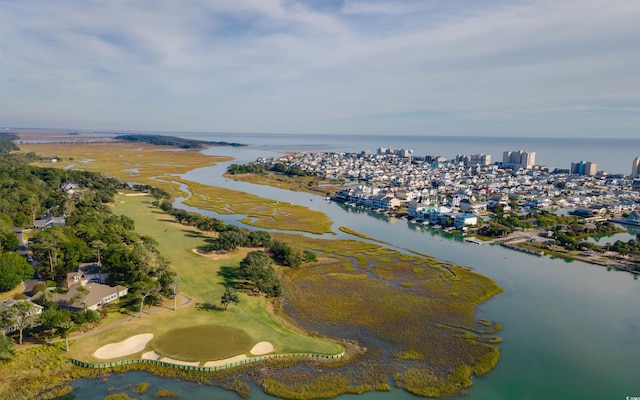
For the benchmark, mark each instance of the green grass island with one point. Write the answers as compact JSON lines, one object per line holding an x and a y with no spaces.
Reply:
{"x":353,"y":297}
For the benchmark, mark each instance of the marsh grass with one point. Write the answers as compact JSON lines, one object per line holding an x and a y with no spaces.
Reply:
{"x":422,"y":308}
{"x":142,"y":388}
{"x":164,"y":393}
{"x":261,"y":212}
{"x":160,"y":166}
{"x":128,"y":162}
{"x":309,"y":184}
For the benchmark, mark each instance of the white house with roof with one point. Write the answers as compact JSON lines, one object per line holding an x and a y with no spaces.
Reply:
{"x":96,"y":296}
{"x":473,"y":207}
{"x":463,"y":221}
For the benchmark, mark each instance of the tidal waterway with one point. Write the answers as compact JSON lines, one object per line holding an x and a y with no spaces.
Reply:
{"x":571,"y":330}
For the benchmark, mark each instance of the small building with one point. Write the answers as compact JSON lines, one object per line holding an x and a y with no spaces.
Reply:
{"x":462,"y":221}
{"x":87,"y":273}
{"x":49,"y":221}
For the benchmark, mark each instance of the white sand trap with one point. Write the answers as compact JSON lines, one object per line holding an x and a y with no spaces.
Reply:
{"x":150,"y":355}
{"x":225,"y":361}
{"x":178,"y":362}
{"x":129,"y":346}
{"x":262,"y":348}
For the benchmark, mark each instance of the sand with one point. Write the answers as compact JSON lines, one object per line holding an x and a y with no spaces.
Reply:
{"x":262,"y":348}
{"x":132,"y":345}
{"x":225,"y":361}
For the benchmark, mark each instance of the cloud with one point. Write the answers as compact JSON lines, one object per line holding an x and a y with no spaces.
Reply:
{"x":292,"y":66}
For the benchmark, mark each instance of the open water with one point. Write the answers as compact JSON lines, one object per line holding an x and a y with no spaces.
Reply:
{"x":611,"y":154}
{"x":571,"y":330}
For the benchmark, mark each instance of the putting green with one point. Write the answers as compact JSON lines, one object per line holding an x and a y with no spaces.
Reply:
{"x":203,"y":343}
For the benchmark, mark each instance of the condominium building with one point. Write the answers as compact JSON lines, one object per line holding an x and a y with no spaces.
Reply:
{"x":586,"y":168}
{"x":635,"y":168}
{"x":479,"y":159}
{"x":519,"y":159}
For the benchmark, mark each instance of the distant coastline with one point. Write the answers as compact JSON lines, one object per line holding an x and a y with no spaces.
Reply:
{"x":182,"y":143}
{"x":613,"y":155}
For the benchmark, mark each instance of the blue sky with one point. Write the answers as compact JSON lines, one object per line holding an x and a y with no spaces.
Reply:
{"x":501,"y":68}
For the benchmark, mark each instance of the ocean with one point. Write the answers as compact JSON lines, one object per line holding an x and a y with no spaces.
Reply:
{"x":612,"y":155}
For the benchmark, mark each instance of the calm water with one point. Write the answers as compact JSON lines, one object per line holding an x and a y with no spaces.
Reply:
{"x":571,"y":330}
{"x":612,"y":155}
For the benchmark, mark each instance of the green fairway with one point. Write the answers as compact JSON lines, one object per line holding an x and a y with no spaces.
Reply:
{"x":203,"y":343}
{"x":202,"y":281}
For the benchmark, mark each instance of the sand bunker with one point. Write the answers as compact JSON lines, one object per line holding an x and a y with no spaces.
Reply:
{"x":225,"y":361}
{"x":211,"y":255}
{"x":150,"y":355}
{"x":129,"y":346}
{"x":262,"y":348}
{"x":179,"y":362}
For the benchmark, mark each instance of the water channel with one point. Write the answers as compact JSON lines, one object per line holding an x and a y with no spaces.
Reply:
{"x":571,"y":330}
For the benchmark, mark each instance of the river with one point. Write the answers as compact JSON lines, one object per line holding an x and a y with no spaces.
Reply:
{"x":571,"y":330}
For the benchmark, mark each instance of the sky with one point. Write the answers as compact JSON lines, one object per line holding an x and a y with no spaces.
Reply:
{"x":546,"y":68}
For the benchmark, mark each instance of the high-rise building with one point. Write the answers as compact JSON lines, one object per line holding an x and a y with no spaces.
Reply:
{"x":635,"y":168}
{"x":479,"y":159}
{"x":586,"y":168}
{"x":518,"y":159}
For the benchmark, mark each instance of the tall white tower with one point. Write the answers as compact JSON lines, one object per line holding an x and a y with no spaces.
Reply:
{"x":635,"y":168}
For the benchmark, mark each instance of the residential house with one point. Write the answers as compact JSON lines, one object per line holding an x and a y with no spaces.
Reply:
{"x":463,"y":221}
{"x":96,"y":296}
{"x":472,"y":207}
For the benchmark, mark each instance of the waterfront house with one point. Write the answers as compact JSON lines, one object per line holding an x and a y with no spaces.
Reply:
{"x":463,"y":221}
{"x":633,"y":219}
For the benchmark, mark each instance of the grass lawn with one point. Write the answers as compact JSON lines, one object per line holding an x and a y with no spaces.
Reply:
{"x":209,"y":342}
{"x":9,"y":295}
{"x":201,"y":280}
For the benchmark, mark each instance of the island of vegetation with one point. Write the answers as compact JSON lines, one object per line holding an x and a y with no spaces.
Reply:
{"x":182,"y":143}
{"x":402,"y":317}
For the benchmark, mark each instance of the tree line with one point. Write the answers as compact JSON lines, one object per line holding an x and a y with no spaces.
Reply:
{"x":183,"y":143}
{"x":255,"y":168}
{"x":258,"y":266}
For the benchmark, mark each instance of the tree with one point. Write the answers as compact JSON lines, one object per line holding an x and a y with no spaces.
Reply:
{"x":257,"y":268}
{"x":229,"y":296}
{"x":14,"y":269}
{"x":144,"y":290}
{"x":170,"y":283}
{"x":57,"y":321}
{"x":20,"y":315}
